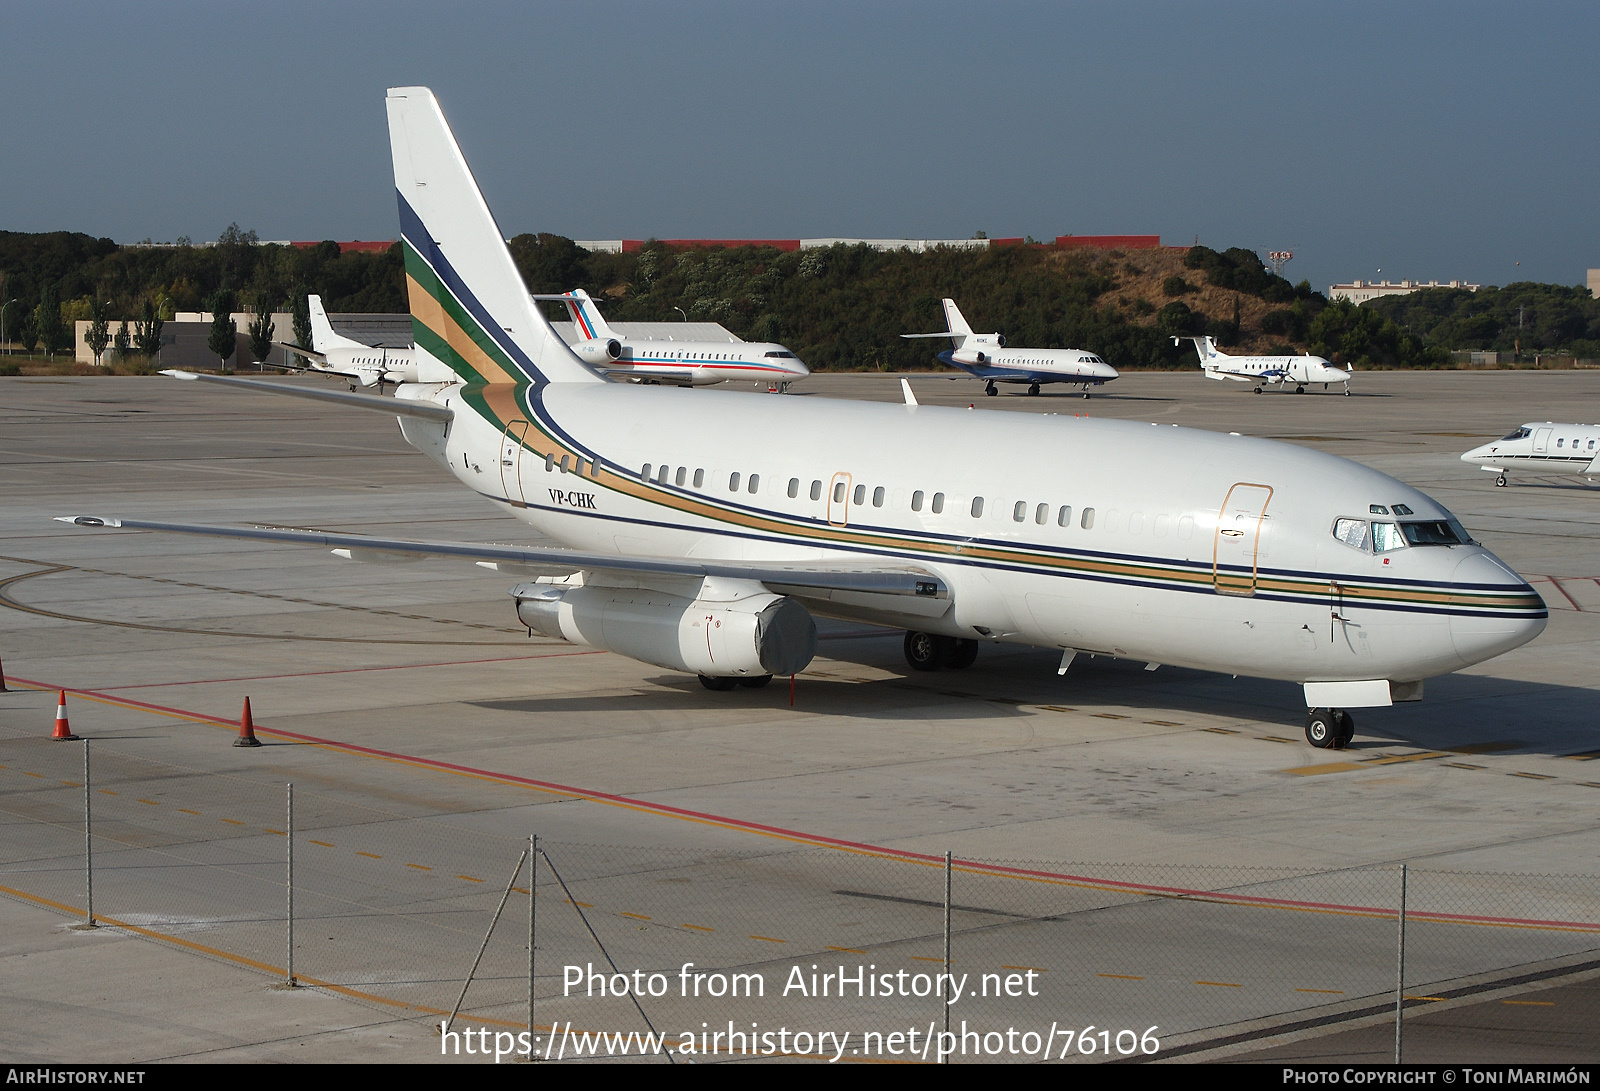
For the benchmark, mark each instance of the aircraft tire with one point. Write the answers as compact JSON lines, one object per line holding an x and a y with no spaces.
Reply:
{"x":1085,"y":395}
{"x":1500,"y":481}
{"x":1299,"y":390}
{"x":926,"y":651}
{"x":1322,"y":728}
{"x":990,"y":390}
{"x":1033,"y":390}
{"x":718,"y":683}
{"x":962,"y":654}
{"x":756,"y":681}
{"x":1347,"y":728}
{"x":1258,"y":390}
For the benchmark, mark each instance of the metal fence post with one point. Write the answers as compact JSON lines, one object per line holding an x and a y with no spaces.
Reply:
{"x":948,"y":973}
{"x":533,"y":879}
{"x":1400,"y":970}
{"x":467,"y":984}
{"x":289,"y":883}
{"x":88,"y":843}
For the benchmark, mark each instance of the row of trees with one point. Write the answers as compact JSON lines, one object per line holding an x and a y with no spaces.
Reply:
{"x":49,"y":281}
{"x":1523,"y":316}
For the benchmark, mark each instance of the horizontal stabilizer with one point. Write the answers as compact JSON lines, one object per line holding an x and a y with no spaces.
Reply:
{"x":400,"y":407}
{"x":319,"y":357}
{"x":844,"y":576}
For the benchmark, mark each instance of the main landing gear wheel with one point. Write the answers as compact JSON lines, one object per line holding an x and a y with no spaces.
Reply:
{"x":990,"y":390}
{"x":962,"y":654}
{"x":1085,"y":395}
{"x":1501,"y":481}
{"x":756,"y":681}
{"x":1299,"y":390}
{"x":1329,"y":728}
{"x":718,"y":683}
{"x":1258,"y":390}
{"x":1033,"y":390}
{"x":927,"y":651}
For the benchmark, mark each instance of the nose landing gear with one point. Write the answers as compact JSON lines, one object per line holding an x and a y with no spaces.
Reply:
{"x":1329,"y":728}
{"x":1501,"y":481}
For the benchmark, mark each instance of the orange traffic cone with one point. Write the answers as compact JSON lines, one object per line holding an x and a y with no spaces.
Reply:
{"x":63,"y":729}
{"x":247,"y":728}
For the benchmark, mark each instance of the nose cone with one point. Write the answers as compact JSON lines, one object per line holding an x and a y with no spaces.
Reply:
{"x":1494,"y":609}
{"x":799,"y":370}
{"x":1105,"y":372}
{"x":1477,"y":454}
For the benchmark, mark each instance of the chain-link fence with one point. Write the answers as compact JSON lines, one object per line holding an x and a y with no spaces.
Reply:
{"x":783,"y":951}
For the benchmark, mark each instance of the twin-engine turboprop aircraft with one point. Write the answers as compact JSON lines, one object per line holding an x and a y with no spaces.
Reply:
{"x":336,"y":354}
{"x":675,"y":363}
{"x":1544,"y":447}
{"x":1276,"y":370}
{"x":985,"y":356}
{"x":707,"y":528}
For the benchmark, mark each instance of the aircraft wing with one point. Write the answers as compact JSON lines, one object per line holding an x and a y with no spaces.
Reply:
{"x":400,"y":407}
{"x":818,"y":577}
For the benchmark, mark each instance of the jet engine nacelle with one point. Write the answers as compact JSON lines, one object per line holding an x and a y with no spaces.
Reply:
{"x":759,"y":635}
{"x":599,"y":350}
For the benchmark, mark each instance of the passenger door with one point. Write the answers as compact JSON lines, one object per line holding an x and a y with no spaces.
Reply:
{"x":1238,"y":538}
{"x":511,"y":460}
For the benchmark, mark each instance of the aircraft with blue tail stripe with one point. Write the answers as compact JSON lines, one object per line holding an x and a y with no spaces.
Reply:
{"x":675,"y":363}
{"x":703,"y":531}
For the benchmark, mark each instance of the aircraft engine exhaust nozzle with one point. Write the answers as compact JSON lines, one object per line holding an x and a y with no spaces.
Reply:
{"x":758,"y":635}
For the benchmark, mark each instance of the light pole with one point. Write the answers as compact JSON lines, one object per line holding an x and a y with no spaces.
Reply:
{"x":3,"y":308}
{"x":680,"y":311}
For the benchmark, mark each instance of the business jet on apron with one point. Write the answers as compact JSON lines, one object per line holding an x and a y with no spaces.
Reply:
{"x":702,"y":531}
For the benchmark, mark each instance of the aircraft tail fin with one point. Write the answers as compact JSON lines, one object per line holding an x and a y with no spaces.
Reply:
{"x":958,"y":324}
{"x":1206,"y":347}
{"x":469,"y":306}
{"x":323,"y":337}
{"x":586,"y":316}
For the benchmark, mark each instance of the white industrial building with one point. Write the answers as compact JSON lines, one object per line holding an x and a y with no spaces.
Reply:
{"x":1360,"y":291}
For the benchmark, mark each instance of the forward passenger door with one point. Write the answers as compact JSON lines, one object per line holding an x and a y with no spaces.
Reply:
{"x":1238,"y":539}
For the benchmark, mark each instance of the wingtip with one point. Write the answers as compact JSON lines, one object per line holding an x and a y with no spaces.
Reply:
{"x":174,"y":373}
{"x":88,"y":520}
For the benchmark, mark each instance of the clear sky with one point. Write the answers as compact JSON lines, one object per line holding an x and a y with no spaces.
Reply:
{"x":1428,"y":140}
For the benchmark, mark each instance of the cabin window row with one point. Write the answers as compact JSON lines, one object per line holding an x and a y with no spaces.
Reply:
{"x":572,"y":464}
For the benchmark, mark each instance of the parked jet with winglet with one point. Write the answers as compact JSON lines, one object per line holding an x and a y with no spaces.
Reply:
{"x":701,"y":531}
{"x":1261,"y":370}
{"x":985,"y":356}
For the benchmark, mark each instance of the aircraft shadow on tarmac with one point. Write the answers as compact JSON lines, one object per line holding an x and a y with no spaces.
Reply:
{"x":1484,"y":713}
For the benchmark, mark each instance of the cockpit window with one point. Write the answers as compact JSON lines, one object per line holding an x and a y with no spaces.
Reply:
{"x":1352,"y":532}
{"x":779,"y":355}
{"x":1520,"y":433}
{"x":1431,"y":533}
{"x":1401,"y":509}
{"x":1385,"y":537}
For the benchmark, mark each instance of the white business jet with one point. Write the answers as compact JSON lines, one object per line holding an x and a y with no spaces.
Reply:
{"x":1546,"y":447}
{"x":985,"y":356}
{"x":364,"y":365}
{"x":675,"y":363}
{"x":703,"y":530}
{"x":1277,"y":370}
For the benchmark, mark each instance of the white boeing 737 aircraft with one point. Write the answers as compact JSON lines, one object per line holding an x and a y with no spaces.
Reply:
{"x":364,"y":365}
{"x":705,"y":529}
{"x":985,"y":356}
{"x":1545,"y":447}
{"x":675,"y":363}
{"x":1277,"y":370}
